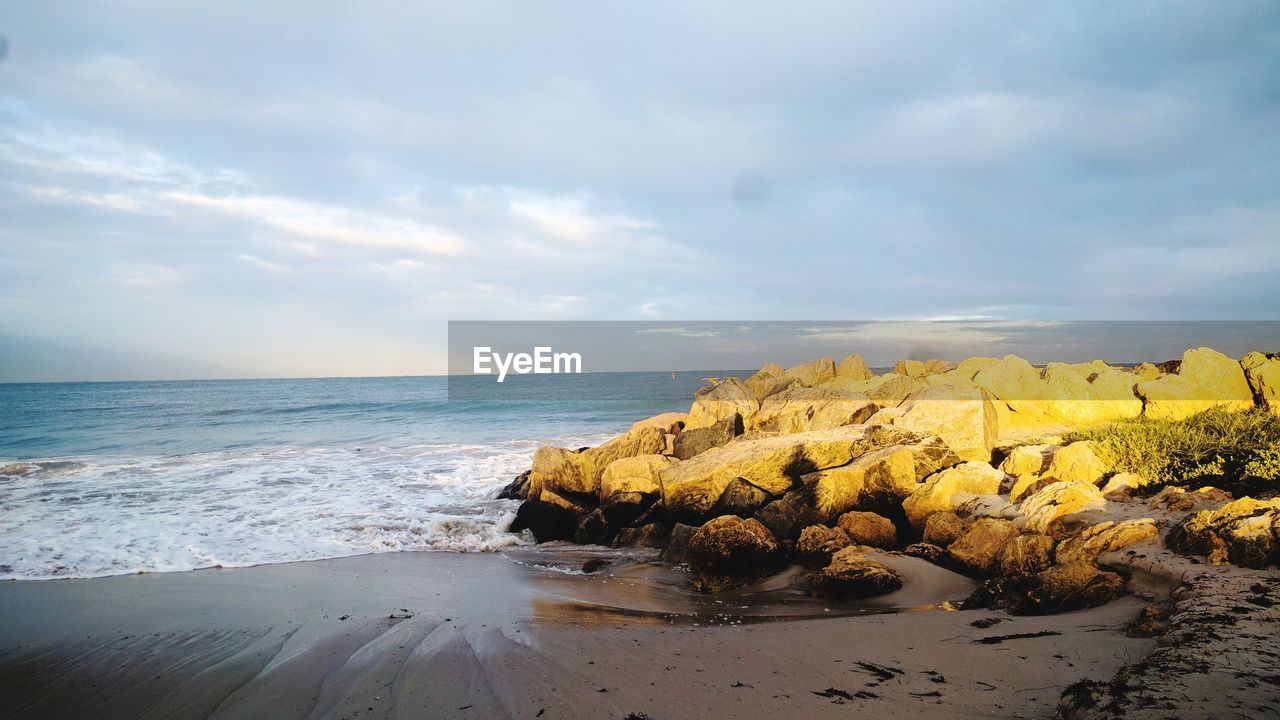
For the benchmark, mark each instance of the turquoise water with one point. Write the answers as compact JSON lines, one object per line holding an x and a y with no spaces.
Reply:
{"x":110,"y":478}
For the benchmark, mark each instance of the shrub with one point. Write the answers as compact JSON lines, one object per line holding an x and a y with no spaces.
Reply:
{"x":1236,"y":451}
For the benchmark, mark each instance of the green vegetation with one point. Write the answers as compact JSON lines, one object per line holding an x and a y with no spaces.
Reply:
{"x":1236,"y":451}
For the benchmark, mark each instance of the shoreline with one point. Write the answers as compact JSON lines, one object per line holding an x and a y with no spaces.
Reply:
{"x":480,"y":635}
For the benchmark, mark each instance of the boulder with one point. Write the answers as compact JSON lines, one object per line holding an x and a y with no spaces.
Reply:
{"x":1057,"y":589}
{"x":774,"y":464}
{"x":947,"y":490}
{"x":696,"y":441}
{"x":643,"y":440}
{"x":728,"y":551}
{"x":926,"y":552}
{"x":851,"y":574}
{"x":800,"y":408}
{"x":887,"y":473}
{"x":1077,"y":463}
{"x":964,"y":419}
{"x":1057,"y":501}
{"x":714,"y":403}
{"x":573,"y":502}
{"x":1019,"y":390}
{"x":556,"y":469}
{"x":868,"y":528}
{"x":1263,"y":373}
{"x":1147,"y":371}
{"x":1176,"y":499}
{"x":637,"y":474}
{"x":786,"y":516}
{"x":1123,"y":484}
{"x":1103,"y":538}
{"x":910,"y":368}
{"x":740,"y":498}
{"x":602,"y":525}
{"x":545,"y":520}
{"x":970,"y":367}
{"x":892,"y":389}
{"x":820,"y":541}
{"x":651,"y":535}
{"x":943,"y":529}
{"x":854,"y":368}
{"x":1206,"y":378}
{"x":765,"y":386}
{"x":677,"y":549}
{"x":1026,"y":460}
{"x":938,"y":367}
{"x":1243,"y":532}
{"x":978,"y":550}
{"x":1026,"y":555}
{"x":814,"y":373}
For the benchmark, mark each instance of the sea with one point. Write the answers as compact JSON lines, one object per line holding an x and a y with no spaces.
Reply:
{"x":110,"y":478}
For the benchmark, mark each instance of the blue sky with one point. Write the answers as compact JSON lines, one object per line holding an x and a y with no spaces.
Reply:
{"x":298,"y":189}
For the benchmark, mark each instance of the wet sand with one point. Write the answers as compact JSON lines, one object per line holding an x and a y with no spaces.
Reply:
{"x":523,"y":635}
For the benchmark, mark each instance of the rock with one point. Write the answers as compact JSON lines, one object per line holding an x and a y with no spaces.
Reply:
{"x":943,"y":528}
{"x":1018,"y":387}
{"x":601,"y":525}
{"x":716,"y":402}
{"x":1176,"y":499}
{"x":556,"y":469}
{"x":947,"y":490}
{"x":573,"y":502}
{"x":651,"y":535}
{"x":910,"y":368}
{"x":851,"y":574}
{"x":699,"y":440}
{"x":729,"y":550}
{"x":545,"y":520}
{"x":518,"y":489}
{"x":1147,"y":371}
{"x":1244,"y":532}
{"x":925,"y":551}
{"x":963,"y":418}
{"x":669,"y":422}
{"x":773,"y":464}
{"x":644,"y":440}
{"x":1058,"y":589}
{"x":894,"y":389}
{"x":1263,"y":373}
{"x":1206,"y":378}
{"x":637,"y":474}
{"x":740,"y":498}
{"x":1077,"y":463}
{"x":1103,"y":538}
{"x":771,"y":369}
{"x":1123,"y":484}
{"x":938,"y":367}
{"x":978,"y":550}
{"x":970,"y":367}
{"x":595,"y":565}
{"x":799,"y":408}
{"x":854,"y":368}
{"x":813,"y":373}
{"x":887,"y":473}
{"x":868,"y":528}
{"x":677,"y":550}
{"x":1026,"y":460}
{"x":765,"y":386}
{"x":820,"y":541}
{"x":786,"y":516}
{"x":1026,"y":555}
{"x":1057,"y":501}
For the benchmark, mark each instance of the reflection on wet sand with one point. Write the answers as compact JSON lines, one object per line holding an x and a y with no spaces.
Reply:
{"x":633,"y":587}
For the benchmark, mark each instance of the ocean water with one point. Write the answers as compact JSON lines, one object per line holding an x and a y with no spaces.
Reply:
{"x":112,"y":478}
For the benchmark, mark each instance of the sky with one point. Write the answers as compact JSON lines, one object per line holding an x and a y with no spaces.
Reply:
{"x":316,"y":189}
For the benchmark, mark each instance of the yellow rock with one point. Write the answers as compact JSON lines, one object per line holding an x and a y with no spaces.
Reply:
{"x":892,"y":389}
{"x":1105,"y":537}
{"x":814,"y":373}
{"x":1078,"y":463}
{"x":1263,"y":374}
{"x":1026,"y":460}
{"x":798,"y":409}
{"x":911,"y":368}
{"x":970,"y":367}
{"x":888,"y":471}
{"x":644,"y":440}
{"x":771,"y":463}
{"x":1205,"y":379}
{"x":556,"y":469}
{"x":977,"y":551}
{"x":633,"y":474}
{"x":716,"y":402}
{"x":1147,"y":371}
{"x":854,"y":368}
{"x":1124,"y":484}
{"x":948,"y":489}
{"x":965,"y":419}
{"x":1059,"y":500}
{"x":670,"y":422}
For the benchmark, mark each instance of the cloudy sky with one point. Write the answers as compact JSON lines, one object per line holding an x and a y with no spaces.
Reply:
{"x":295,"y":189}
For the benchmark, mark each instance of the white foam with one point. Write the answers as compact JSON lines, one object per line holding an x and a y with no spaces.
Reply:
{"x":95,"y":516}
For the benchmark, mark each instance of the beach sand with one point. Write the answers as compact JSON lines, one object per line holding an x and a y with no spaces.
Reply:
{"x":424,"y":635}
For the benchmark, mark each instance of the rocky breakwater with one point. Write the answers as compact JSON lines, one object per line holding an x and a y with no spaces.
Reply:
{"x":963,"y":464}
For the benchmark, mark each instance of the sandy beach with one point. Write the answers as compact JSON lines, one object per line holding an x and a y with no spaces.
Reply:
{"x":411,"y":635}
